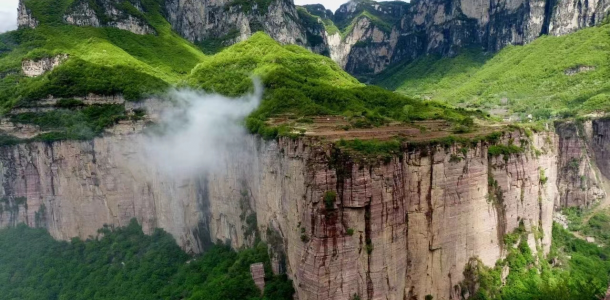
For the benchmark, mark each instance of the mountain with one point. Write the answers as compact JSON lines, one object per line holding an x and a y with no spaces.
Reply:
{"x":355,"y":192}
{"x":552,"y":77}
{"x":362,"y":36}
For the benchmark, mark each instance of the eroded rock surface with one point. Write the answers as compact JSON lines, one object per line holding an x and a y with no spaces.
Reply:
{"x":398,"y":229}
{"x":24,"y":17}
{"x":579,"y":179}
{"x":228,"y":22}
{"x":33,"y":68}
{"x":82,"y":14}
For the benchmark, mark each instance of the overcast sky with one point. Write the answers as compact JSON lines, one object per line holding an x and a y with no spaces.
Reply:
{"x":8,"y":15}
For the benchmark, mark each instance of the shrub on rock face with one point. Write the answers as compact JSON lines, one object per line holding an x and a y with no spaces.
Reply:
{"x":329,"y":200}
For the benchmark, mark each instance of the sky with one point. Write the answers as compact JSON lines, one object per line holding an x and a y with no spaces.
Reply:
{"x":8,"y":15}
{"x":329,"y":4}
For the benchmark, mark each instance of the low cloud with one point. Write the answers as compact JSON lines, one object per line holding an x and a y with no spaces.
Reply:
{"x":200,"y":132}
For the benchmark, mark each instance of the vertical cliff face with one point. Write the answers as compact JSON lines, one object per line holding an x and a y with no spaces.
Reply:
{"x":444,"y":27}
{"x":126,"y":15}
{"x":233,"y":21}
{"x":25,"y":18}
{"x":570,"y":15}
{"x":580,"y":181}
{"x":600,"y":143}
{"x":400,"y":229}
{"x":33,"y":68}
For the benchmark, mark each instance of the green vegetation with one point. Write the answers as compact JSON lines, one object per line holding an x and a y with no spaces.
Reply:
{"x":105,"y":61}
{"x":574,"y":270}
{"x":504,"y":150}
{"x":318,"y":11}
{"x":597,"y":223}
{"x":368,"y":9}
{"x":550,"y":76}
{"x":371,"y":147}
{"x":80,"y":124}
{"x":109,"y":61}
{"x":262,"y":6}
{"x":329,"y":200}
{"x":598,"y":227}
{"x":299,"y":83}
{"x":127,"y":264}
{"x":575,"y":217}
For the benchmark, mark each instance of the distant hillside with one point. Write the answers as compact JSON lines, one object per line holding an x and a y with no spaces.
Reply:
{"x":549,"y":77}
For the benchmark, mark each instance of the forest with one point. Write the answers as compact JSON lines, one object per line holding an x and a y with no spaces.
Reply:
{"x":125,"y":263}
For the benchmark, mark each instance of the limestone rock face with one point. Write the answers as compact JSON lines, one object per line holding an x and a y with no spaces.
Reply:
{"x":571,"y":15}
{"x":33,"y":68}
{"x":579,"y":180}
{"x":82,"y":14}
{"x":394,"y":230}
{"x":24,"y":17}
{"x":444,"y":27}
{"x":231,"y":22}
{"x":600,"y":142}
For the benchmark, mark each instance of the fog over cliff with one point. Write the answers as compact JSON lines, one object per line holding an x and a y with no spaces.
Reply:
{"x":200,"y":132}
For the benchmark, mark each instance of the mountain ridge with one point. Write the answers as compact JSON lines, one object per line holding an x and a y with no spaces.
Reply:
{"x":364,"y":37}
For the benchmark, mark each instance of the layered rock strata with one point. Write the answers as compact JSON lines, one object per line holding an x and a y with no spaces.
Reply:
{"x":403,"y":228}
{"x":81,"y":13}
{"x":580,"y":181}
{"x":229,"y":22}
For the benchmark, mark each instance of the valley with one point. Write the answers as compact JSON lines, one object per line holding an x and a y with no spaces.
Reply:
{"x":166,"y":148}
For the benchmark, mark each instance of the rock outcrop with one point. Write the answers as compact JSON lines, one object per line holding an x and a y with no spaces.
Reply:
{"x":403,"y":228}
{"x":34,"y":68}
{"x":579,"y":181}
{"x":24,"y":17}
{"x":445,"y":27}
{"x":363,"y":36}
{"x":231,"y":21}
{"x":571,"y":15}
{"x":81,"y":13}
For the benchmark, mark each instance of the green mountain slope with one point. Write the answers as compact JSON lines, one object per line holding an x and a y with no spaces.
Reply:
{"x":299,"y":83}
{"x":549,"y":76}
{"x":101,"y":60}
{"x":109,"y":61}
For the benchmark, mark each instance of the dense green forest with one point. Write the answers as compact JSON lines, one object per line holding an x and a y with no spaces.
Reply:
{"x":124,"y":263}
{"x":573,"y":270}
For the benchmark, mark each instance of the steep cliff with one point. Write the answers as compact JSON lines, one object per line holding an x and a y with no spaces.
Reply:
{"x":25,"y":18}
{"x":405,"y":228}
{"x":363,"y":36}
{"x":231,"y":21}
{"x":579,"y":179}
{"x":126,"y":15}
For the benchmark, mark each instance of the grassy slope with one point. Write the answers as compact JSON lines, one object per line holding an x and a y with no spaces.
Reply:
{"x":108,"y":61}
{"x":133,"y":64}
{"x":531,"y":77}
{"x":301,"y":83}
